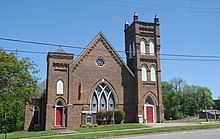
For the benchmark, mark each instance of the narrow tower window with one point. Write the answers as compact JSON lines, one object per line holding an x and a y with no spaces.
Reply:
{"x":153,"y":74}
{"x":130,"y":51}
{"x":60,"y":87}
{"x":143,"y":50}
{"x":152,"y":49}
{"x":144,"y":73}
{"x":134,"y":52}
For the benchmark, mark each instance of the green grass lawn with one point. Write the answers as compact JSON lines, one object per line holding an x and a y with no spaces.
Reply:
{"x":25,"y":134}
{"x":141,"y":131}
{"x":87,"y":131}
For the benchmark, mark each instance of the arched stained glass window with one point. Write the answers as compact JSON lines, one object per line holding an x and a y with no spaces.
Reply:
{"x":94,"y":103}
{"x":102,"y":98}
{"x":149,"y":100}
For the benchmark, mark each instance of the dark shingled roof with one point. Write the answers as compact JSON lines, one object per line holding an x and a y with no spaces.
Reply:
{"x":41,"y":90}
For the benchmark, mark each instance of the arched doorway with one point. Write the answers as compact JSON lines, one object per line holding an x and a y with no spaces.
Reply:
{"x":59,"y":113}
{"x":36,"y":117}
{"x":150,"y":110}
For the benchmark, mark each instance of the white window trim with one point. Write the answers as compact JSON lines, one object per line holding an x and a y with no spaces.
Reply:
{"x":152,"y":49}
{"x":100,"y":95}
{"x":60,"y":83}
{"x":153,"y":76}
{"x":91,"y":119}
{"x":144,"y":78}
{"x":143,"y":48}
{"x":55,"y":124}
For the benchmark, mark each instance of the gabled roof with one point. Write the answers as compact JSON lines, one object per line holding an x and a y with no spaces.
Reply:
{"x":101,"y":35}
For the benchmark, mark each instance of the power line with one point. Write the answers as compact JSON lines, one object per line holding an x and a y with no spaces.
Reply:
{"x":79,"y":47}
{"x":166,"y":59}
{"x":163,"y":5}
{"x":166,"y":8}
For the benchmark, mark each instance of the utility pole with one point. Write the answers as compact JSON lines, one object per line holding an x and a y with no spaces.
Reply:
{"x":204,"y":103}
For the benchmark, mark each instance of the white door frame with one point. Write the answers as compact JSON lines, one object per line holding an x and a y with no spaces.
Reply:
{"x":154,"y":112}
{"x":55,"y":116}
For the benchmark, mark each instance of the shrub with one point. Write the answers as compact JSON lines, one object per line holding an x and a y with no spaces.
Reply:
{"x":95,"y":125}
{"x":108,"y":116}
{"x":119,"y":116}
{"x":99,"y":117}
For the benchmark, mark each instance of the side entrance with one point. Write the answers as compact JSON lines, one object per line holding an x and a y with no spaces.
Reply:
{"x":149,"y":115}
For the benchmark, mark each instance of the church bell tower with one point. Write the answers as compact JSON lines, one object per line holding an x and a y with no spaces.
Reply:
{"x":142,"y":46}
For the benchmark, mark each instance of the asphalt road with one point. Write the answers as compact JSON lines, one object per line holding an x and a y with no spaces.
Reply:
{"x":201,"y":134}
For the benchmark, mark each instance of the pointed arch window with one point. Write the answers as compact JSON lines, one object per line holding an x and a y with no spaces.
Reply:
{"x":134,"y":52}
{"x":130,"y":51}
{"x":152,"y":49}
{"x":102,"y":98}
{"x":153,"y":73}
{"x":144,"y":73}
{"x":143,"y":48}
{"x":60,"y":87}
{"x":36,"y":116}
{"x":149,"y":100}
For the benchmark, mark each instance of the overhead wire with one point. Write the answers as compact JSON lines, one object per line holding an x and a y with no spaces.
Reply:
{"x":159,"y":7}
{"x":83,"y":48}
{"x":89,"y":55}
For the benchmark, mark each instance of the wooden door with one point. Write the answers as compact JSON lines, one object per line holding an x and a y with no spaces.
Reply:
{"x":149,"y":113}
{"x":59,"y":115}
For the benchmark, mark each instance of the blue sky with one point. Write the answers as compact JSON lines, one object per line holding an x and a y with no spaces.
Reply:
{"x":187,"y":27}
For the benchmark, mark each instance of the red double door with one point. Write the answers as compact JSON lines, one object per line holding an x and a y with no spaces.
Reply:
{"x":149,"y":113}
{"x":59,"y":116}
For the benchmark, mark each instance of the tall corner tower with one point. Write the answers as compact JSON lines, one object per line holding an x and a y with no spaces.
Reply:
{"x":142,"y":46}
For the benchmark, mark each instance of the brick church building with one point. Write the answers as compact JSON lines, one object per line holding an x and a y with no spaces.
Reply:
{"x":99,"y":80}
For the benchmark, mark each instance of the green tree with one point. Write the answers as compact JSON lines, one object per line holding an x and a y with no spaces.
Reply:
{"x":17,"y":87}
{"x":172,"y":105}
{"x":171,"y":101}
{"x":180,"y":99}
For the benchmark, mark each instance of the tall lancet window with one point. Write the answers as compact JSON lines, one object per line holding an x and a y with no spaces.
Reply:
{"x":60,"y":87}
{"x":143,"y":48}
{"x":102,"y":98}
{"x":152,"y":49}
{"x":134,"y":51}
{"x":144,"y":73}
{"x":130,"y":51}
{"x":153,"y":73}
